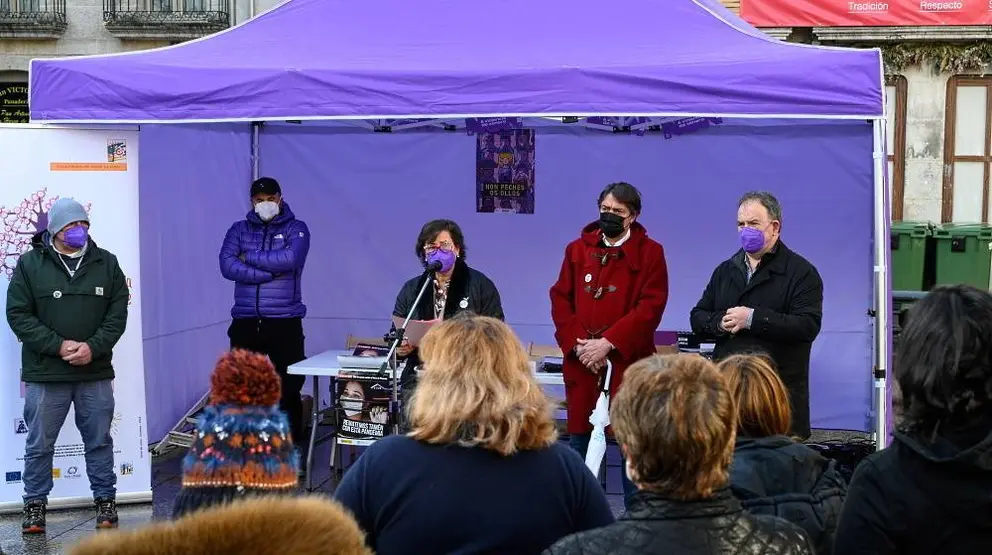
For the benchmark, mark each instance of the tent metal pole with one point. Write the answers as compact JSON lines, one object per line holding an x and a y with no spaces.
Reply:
{"x":255,"y":126}
{"x":881,"y":307}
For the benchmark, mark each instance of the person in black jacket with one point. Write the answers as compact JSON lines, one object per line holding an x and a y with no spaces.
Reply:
{"x":931,"y":490}
{"x":765,"y":298}
{"x":456,"y":287}
{"x":772,"y":474}
{"x":675,"y":420}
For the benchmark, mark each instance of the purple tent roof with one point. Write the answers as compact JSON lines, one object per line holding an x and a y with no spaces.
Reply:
{"x":313,"y":59}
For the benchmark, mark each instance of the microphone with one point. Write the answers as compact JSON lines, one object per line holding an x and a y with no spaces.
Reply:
{"x":434,"y":266}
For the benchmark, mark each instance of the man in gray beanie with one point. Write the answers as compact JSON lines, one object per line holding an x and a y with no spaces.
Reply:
{"x":67,"y":304}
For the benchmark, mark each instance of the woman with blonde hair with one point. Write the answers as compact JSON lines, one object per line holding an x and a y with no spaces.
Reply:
{"x":773,"y":474}
{"x":481,"y":470}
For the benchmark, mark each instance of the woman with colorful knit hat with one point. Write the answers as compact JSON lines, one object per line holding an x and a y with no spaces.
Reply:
{"x":243,"y":446}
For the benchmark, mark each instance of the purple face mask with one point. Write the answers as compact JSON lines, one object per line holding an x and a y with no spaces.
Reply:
{"x":752,"y":240}
{"x":445,"y":257}
{"x":75,"y":237}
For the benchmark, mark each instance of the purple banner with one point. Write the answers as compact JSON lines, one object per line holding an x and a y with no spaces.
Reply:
{"x":492,"y":125}
{"x":687,"y":125}
{"x":504,"y":165}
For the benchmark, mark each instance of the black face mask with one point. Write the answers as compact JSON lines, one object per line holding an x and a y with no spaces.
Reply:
{"x":610,"y":224}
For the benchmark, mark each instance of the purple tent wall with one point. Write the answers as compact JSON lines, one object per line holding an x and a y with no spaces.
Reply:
{"x":365,"y":196}
{"x":193,"y":186}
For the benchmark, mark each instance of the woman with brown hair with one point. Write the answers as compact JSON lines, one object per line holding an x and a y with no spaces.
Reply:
{"x":675,"y":420}
{"x":772,"y":474}
{"x":481,"y":470}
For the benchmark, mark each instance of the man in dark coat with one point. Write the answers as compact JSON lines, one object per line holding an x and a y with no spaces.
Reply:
{"x":608,"y":301}
{"x":264,"y":255}
{"x":67,"y":304}
{"x":765,"y":298}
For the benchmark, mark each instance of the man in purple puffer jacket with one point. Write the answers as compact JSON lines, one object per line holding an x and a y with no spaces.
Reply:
{"x":264,"y":256}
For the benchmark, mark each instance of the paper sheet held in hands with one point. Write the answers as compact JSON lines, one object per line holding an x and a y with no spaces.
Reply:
{"x":415,"y":329}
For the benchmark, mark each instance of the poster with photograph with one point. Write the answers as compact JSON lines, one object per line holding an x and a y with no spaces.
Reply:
{"x":505,"y":171}
{"x":363,"y":402}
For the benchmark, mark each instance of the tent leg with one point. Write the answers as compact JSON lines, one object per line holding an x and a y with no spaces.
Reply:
{"x":256,"y":126}
{"x":882,"y":310}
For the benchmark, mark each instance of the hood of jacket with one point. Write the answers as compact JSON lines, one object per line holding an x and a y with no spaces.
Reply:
{"x":958,"y":466}
{"x":774,"y":465}
{"x":301,"y":526}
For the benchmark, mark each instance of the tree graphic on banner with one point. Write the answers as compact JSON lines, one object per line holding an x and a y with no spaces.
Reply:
{"x":18,"y":224}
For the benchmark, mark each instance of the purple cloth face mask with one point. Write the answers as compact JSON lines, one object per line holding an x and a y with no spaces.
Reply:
{"x":445,"y":257}
{"x":75,"y":237}
{"x":752,"y":240}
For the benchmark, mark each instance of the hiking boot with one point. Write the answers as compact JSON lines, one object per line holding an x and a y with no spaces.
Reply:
{"x":34,"y":518}
{"x":106,"y":513}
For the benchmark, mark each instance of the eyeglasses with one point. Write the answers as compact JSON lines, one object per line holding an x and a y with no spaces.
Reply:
{"x":443,"y":245}
{"x":619,"y":211}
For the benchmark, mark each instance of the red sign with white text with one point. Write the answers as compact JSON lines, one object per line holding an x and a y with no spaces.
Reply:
{"x":868,"y":13}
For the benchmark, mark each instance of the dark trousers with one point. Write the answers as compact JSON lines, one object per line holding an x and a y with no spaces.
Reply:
{"x":283,"y":341}
{"x":580,"y":442}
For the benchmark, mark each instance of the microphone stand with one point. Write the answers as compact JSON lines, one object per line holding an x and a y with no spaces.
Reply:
{"x":391,"y":364}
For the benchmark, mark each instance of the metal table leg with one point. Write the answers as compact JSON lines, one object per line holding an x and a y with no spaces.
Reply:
{"x":314,"y":421}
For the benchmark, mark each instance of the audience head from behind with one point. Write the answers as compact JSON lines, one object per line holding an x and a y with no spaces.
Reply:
{"x":943,"y":363}
{"x":928,"y":492}
{"x":477,"y":389}
{"x":773,"y":474}
{"x":480,"y":470}
{"x":675,"y":421}
{"x":243,"y":446}
{"x":762,"y":401}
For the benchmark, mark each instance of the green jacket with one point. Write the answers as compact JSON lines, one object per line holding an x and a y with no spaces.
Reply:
{"x":46,"y":307}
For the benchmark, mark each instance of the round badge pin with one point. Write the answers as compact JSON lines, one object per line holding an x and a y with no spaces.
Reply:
{"x":57,"y":294}
{"x":588,"y":278}
{"x":463,"y":304}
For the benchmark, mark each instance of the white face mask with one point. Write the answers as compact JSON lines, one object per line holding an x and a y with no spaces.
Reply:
{"x":267,"y":210}
{"x":351,"y":407}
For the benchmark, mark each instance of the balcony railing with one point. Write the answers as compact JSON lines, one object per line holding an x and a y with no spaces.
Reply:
{"x":165,"y":19}
{"x":32,"y":19}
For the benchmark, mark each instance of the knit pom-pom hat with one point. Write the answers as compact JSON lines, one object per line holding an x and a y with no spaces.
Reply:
{"x":242,"y":444}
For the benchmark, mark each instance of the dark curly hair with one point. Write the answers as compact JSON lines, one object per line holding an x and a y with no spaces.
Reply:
{"x":244,"y":378}
{"x":943,"y":363}
{"x":432,"y":229}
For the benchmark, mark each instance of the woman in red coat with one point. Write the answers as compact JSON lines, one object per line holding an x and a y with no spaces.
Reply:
{"x":607,"y":303}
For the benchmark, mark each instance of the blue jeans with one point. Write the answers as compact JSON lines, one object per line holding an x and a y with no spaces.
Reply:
{"x":46,"y":406}
{"x":580,"y":442}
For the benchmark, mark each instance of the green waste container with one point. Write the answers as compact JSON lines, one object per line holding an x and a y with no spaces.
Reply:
{"x":963,"y":254}
{"x":912,"y":256}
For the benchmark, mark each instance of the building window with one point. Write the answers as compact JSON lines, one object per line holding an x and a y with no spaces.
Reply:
{"x":895,"y":140}
{"x":967,"y":150}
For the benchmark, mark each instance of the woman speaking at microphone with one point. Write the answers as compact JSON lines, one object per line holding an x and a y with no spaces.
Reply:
{"x":454,"y":287}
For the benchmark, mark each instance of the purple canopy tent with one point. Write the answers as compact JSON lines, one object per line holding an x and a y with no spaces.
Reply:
{"x":450,"y":60}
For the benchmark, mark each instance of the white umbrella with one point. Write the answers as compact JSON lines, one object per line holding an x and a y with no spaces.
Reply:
{"x":600,"y":419}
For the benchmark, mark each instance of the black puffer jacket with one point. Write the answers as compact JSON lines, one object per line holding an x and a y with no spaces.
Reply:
{"x":655,"y":525}
{"x":777,"y":476}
